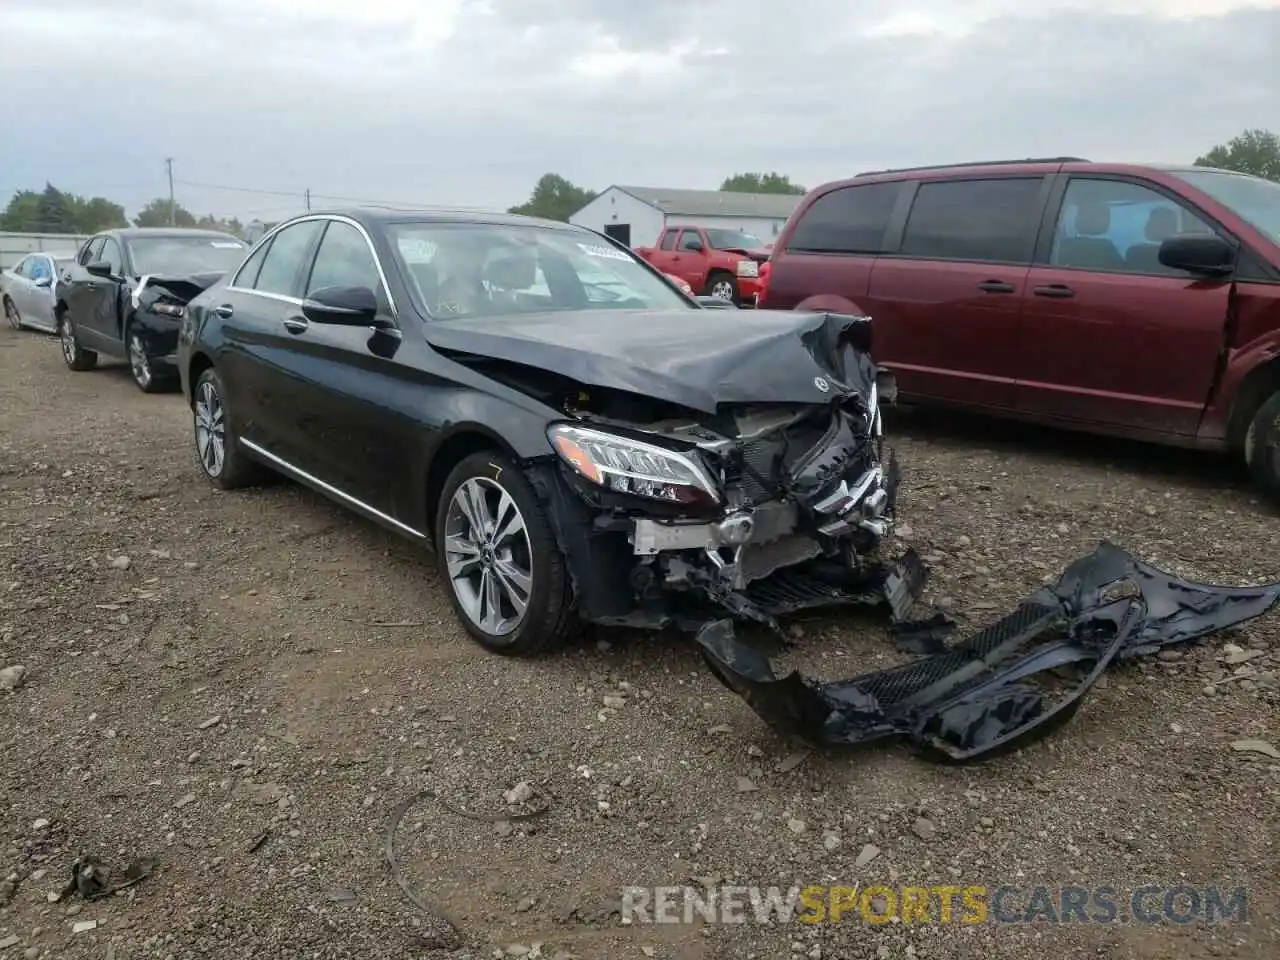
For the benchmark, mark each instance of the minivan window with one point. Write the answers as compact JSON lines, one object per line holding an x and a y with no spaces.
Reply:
{"x":847,"y":220}
{"x":989,"y":220}
{"x":1252,"y":199}
{"x":1114,"y":225}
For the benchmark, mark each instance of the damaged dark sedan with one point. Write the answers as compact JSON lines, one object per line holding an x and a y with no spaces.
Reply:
{"x":125,"y":292}
{"x":575,"y":437}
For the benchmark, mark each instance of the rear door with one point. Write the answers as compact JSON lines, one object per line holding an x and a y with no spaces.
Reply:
{"x":255,"y":353}
{"x":1112,"y":336}
{"x":946,"y":300}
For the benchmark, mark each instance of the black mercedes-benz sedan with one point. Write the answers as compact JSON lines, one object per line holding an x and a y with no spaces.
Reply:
{"x":576,"y":438}
{"x":124,"y":293}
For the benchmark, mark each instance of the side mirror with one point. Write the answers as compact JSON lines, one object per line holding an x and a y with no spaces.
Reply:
{"x":1205,"y":254}
{"x":45,"y":282}
{"x":343,"y":306}
{"x":100,"y":268}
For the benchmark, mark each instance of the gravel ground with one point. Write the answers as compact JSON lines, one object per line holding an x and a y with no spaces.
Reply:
{"x":248,"y":697}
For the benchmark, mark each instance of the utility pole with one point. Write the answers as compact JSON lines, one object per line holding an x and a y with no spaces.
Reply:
{"x":168,"y":163}
{"x":308,"y":198}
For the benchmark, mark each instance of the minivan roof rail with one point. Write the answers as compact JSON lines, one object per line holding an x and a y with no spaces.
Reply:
{"x":975,"y":163}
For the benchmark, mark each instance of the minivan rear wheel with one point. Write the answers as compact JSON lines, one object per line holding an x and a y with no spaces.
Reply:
{"x":1262,"y":446}
{"x":499,"y":559}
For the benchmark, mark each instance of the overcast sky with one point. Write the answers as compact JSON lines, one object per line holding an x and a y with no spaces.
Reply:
{"x":467,"y":102}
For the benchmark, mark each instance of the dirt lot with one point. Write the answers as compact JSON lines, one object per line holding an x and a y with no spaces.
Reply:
{"x":265,"y":662}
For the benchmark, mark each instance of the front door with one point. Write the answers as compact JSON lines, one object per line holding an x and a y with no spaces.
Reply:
{"x":689,"y":262}
{"x":1111,"y":335}
{"x":83,"y":290}
{"x":946,"y":305}
{"x":102,"y":316}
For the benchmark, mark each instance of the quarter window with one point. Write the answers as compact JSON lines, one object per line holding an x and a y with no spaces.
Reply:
{"x":23,"y":269}
{"x":985,"y":220}
{"x":247,"y":275}
{"x":283,"y":262}
{"x":1116,"y":226}
{"x":343,"y":260}
{"x":848,"y":220}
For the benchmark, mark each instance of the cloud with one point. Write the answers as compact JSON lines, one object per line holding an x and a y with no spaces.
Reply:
{"x":467,"y":102}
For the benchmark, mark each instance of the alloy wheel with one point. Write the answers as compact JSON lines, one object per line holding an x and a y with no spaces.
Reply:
{"x":489,"y":555}
{"x":722,"y":289}
{"x":138,"y":362}
{"x":68,"y":338}
{"x":211,"y":429}
{"x":11,"y":313}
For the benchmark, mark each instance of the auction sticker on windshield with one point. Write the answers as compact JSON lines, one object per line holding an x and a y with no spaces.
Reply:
{"x":609,"y":253}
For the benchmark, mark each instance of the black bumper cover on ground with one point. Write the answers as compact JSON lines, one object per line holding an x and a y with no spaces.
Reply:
{"x":992,"y":692}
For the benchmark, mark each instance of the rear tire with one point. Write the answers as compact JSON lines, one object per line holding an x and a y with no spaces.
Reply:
{"x":499,"y":560}
{"x":12,"y":314}
{"x":75,"y":356}
{"x":218,"y":450}
{"x":1262,"y":446}
{"x":722,"y":286}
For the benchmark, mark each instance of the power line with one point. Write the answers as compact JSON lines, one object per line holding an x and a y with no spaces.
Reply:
{"x":307,"y":195}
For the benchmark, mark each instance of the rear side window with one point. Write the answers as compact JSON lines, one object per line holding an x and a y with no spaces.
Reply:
{"x":848,"y":220}
{"x":280,"y":267}
{"x":669,"y":239}
{"x":988,"y":220}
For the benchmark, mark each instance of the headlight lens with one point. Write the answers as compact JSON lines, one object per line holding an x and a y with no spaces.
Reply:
{"x":748,"y":268}
{"x":168,"y":309}
{"x":633,"y":467}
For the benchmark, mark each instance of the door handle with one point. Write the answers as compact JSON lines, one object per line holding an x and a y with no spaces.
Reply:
{"x":1059,"y":290}
{"x":996,"y":286}
{"x":296,"y":324}
{"x":224,"y":310}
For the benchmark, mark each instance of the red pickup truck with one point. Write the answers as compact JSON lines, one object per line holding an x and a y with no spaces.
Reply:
{"x":714,"y":261}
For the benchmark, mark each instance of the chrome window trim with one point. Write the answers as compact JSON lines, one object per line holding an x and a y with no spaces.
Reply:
{"x":323,"y":217}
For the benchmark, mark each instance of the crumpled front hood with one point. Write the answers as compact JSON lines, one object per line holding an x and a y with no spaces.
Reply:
{"x":701,"y":359}
{"x":186,"y":287}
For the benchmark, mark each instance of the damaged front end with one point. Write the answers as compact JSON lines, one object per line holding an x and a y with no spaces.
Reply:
{"x":757,"y":509}
{"x":1004,"y":686}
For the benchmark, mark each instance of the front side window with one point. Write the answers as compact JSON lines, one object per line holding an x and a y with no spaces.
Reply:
{"x":111,"y":255}
{"x":690,"y":240}
{"x":981,"y":220}
{"x":179,"y":256}
{"x":483,"y":270}
{"x":92,"y":251}
{"x":1252,"y":199}
{"x":733,"y":240}
{"x":1117,"y":226}
{"x":344,"y":260}
{"x":285,"y":257}
{"x":38,"y":268}
{"x":847,"y":220}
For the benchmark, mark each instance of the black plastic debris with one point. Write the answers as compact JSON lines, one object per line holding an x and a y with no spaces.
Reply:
{"x":996,"y":689}
{"x":91,"y":878}
{"x":922,"y":637}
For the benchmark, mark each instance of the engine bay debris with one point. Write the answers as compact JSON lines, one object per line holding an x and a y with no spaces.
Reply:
{"x":995,"y":690}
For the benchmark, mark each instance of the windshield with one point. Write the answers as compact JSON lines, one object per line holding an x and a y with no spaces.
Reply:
{"x":1252,"y":199}
{"x":734,"y":240}
{"x":486,"y":270}
{"x":181,"y":256}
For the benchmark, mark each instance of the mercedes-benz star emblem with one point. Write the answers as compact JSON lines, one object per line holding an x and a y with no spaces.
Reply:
{"x":821,"y":384}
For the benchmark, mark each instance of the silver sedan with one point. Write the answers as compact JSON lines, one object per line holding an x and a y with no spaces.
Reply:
{"x":28,"y":291}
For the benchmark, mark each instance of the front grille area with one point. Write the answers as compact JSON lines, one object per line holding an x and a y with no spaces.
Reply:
{"x":758,"y":466}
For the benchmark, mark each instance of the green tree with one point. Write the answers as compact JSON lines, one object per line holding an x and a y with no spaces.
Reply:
{"x":22,"y":213}
{"x":1254,"y":151}
{"x":96,"y":213}
{"x":156,"y":214}
{"x":555,"y":198}
{"x":772,"y":182}
{"x":210,"y":222}
{"x":53,"y":212}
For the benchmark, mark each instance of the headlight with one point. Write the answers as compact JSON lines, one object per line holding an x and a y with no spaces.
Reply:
{"x":748,"y":268}
{"x":168,"y":309}
{"x":632,"y":466}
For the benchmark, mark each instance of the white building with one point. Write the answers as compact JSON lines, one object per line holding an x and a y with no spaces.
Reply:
{"x":637,"y":216}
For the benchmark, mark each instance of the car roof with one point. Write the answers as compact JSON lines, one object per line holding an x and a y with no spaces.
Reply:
{"x":1029,"y":165}
{"x":371,"y":217}
{"x":132,"y":233}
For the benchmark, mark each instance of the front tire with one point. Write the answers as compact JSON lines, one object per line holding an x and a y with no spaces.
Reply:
{"x":1262,"y":447}
{"x":722,"y":286}
{"x":12,"y":315}
{"x":499,"y":560}
{"x":140,"y":367}
{"x":218,"y":450}
{"x":76,"y":357}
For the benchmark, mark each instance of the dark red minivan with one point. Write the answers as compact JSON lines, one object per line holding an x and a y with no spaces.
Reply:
{"x":1141,"y":301}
